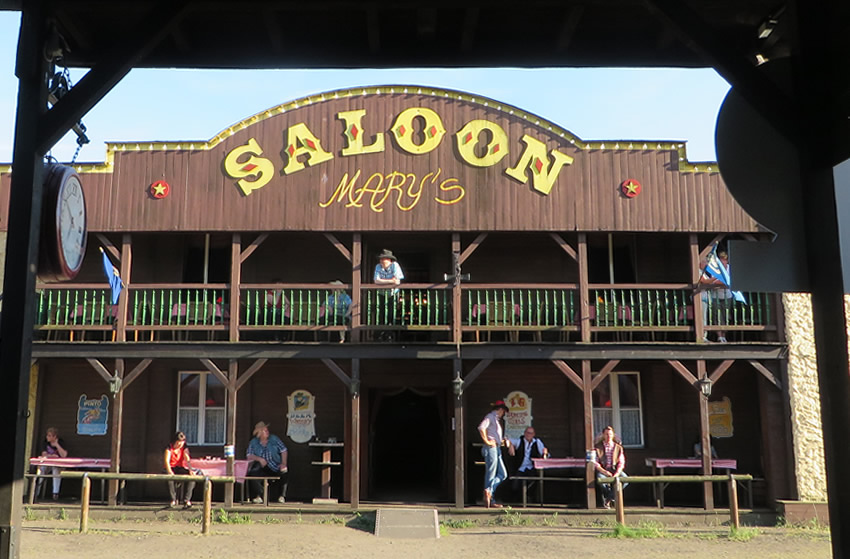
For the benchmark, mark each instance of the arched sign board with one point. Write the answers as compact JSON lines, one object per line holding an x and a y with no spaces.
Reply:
{"x":407,"y":158}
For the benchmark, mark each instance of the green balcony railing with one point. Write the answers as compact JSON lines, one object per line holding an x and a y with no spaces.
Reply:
{"x":500,"y":308}
{"x":409,"y":307}
{"x":278,"y":306}
{"x":189,"y":307}
{"x":66,"y":307}
{"x":726,"y":311}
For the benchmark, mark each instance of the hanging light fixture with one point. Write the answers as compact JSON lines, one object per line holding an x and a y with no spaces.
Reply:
{"x":705,"y":386}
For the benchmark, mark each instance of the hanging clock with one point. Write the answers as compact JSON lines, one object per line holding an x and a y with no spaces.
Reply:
{"x":63,"y":225}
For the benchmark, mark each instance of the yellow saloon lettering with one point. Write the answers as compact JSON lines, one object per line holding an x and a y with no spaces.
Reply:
{"x":301,"y":141}
{"x":259,"y":167}
{"x":416,"y":130}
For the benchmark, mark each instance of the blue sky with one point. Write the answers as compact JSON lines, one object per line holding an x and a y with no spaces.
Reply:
{"x":594,"y":104}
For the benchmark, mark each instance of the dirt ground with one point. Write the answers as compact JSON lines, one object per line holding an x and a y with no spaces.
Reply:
{"x":334,"y":539}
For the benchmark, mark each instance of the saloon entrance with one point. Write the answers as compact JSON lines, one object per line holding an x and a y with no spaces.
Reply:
{"x":409,"y":450}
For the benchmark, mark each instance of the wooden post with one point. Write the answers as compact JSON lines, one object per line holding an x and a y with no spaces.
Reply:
{"x":354,"y":435}
{"x":456,"y":293}
{"x":230,"y":427}
{"x":705,"y":438}
{"x":734,"y":518}
{"x":124,"y":298}
{"x":117,"y":427}
{"x":699,"y":311}
{"x":205,"y":528}
{"x":85,"y":499}
{"x":19,"y":307}
{"x":235,"y":280}
{"x":618,"y":501}
{"x":587,"y":394}
{"x":356,"y":267}
{"x":583,"y":289}
{"x":460,"y":474}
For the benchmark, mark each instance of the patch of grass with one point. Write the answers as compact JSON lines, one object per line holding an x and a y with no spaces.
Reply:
{"x":332,"y":519}
{"x":812,"y":528}
{"x":742,"y":534}
{"x":458,"y":523}
{"x":363,"y":522}
{"x":444,"y":531}
{"x":63,"y":514}
{"x":298,"y":518}
{"x":271,"y":520}
{"x":644,"y":530}
{"x":29,"y":514}
{"x":224,"y":517}
{"x":121,"y":518}
{"x":551,"y":520}
{"x":512,"y":518}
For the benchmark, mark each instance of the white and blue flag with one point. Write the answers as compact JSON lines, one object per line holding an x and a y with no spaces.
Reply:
{"x":716,"y":269}
{"x":113,"y":277}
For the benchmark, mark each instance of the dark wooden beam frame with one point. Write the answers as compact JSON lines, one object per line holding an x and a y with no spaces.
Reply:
{"x":337,"y":370}
{"x":475,"y":372}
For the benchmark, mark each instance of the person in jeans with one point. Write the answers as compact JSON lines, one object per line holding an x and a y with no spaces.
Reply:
{"x":610,"y":462}
{"x":491,"y":433}
{"x":177,"y":462}
{"x":52,"y":447}
{"x":268,"y":455}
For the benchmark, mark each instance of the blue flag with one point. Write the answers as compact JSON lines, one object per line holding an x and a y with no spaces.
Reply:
{"x":716,"y":269}
{"x":112,"y":276}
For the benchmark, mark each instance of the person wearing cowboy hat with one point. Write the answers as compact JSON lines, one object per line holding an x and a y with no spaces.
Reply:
{"x":387,"y":272}
{"x":338,"y":305}
{"x":268,"y":457}
{"x":491,"y":433}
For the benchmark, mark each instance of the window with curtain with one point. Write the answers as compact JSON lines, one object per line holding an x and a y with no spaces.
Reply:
{"x":200,"y":408}
{"x":617,"y":402}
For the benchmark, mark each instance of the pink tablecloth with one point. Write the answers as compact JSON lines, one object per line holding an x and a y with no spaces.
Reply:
{"x":71,"y":462}
{"x":544,"y":463}
{"x":661,"y":463}
{"x":218,"y":467}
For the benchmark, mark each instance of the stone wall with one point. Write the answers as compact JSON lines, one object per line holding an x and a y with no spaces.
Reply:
{"x":804,"y":397}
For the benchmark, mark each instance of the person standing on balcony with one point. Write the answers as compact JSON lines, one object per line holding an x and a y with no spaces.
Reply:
{"x":387,"y":272}
{"x":339,"y":307}
{"x":610,"y":462}
{"x":716,"y":295}
{"x":491,"y":433}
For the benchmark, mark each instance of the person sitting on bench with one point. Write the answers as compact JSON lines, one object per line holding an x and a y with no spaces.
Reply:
{"x":269,"y":456}
{"x":177,"y":462}
{"x":52,"y":447}
{"x":525,"y":449}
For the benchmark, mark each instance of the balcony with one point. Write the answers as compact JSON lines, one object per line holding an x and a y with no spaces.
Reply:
{"x":477,"y":313}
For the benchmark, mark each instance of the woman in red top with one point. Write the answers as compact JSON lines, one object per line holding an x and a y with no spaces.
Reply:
{"x":177,"y":463}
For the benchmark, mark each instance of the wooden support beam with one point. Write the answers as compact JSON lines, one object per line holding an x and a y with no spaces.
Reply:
{"x":217,"y":373}
{"x":699,"y":310}
{"x":339,"y":246}
{"x":583,"y":289}
{"x":703,"y":253}
{"x":137,"y":370}
{"x":230,"y":425}
{"x":705,"y":438}
{"x":767,"y":373}
{"x":569,"y":372}
{"x":335,"y":369}
{"x":235,"y":281}
{"x":140,"y":39}
{"x":603,"y":373}
{"x":565,"y":246}
{"x":587,"y":400}
{"x":457,"y":294}
{"x":354,"y":437}
{"x":476,"y":372}
{"x":356,"y":267}
{"x":117,"y":433}
{"x":722,"y":368}
{"x":471,"y":248}
{"x":107,"y":244}
{"x":460,"y":442}
{"x":101,"y":369}
{"x":249,"y":372}
{"x":124,"y":298}
{"x":684,"y":371}
{"x":255,"y":244}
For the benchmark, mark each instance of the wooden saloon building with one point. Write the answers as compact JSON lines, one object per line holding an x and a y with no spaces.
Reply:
{"x":534,"y":262}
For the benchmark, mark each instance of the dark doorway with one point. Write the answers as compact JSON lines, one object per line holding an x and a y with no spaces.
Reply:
{"x":407,"y":448}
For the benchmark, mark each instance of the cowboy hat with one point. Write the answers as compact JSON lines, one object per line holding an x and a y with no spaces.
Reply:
{"x":260,"y":426}
{"x":336,"y":282}
{"x":386,"y":254}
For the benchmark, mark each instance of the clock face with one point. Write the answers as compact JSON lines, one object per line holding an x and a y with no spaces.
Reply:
{"x":71,"y":222}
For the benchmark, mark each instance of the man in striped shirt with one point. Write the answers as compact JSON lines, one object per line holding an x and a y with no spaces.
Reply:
{"x":610,"y":462}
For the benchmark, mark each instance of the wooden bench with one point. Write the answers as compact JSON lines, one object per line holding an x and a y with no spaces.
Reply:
{"x":541,"y":479}
{"x":245,"y":494}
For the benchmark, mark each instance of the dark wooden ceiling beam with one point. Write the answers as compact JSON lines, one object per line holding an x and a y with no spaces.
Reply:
{"x":568,"y":28}
{"x":470,"y":26}
{"x":273,"y":30}
{"x":373,"y":28}
{"x":476,"y":372}
{"x":759,"y":91}
{"x":137,"y":370}
{"x":569,"y":372}
{"x":140,"y":39}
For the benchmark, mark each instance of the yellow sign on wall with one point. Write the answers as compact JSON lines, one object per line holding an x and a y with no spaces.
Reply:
{"x":720,"y":418}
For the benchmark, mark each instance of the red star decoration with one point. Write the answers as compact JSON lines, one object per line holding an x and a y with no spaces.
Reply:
{"x":159,"y":190}
{"x":630,"y":188}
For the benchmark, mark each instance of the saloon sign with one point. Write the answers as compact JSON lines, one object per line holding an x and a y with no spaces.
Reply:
{"x":415,"y":131}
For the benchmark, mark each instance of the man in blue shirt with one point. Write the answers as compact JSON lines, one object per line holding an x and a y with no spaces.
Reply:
{"x":338,"y":307}
{"x":387,"y":272}
{"x":268,"y":455}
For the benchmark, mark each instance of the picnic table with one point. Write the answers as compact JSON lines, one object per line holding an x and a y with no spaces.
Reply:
{"x":658,"y":466}
{"x":69,"y":462}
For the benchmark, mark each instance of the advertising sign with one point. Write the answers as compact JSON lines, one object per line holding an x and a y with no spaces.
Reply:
{"x":92,"y":415}
{"x":519,"y":416}
{"x":301,"y":419}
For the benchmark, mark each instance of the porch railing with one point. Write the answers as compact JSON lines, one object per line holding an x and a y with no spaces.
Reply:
{"x":538,"y":308}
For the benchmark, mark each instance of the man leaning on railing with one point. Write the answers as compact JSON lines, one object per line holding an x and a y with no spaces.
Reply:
{"x":387,"y":272}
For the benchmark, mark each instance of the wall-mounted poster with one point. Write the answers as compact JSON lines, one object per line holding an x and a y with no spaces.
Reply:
{"x":720,"y":418}
{"x":519,"y":414}
{"x":92,"y":415}
{"x":301,"y":417}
